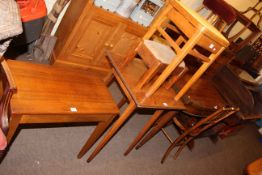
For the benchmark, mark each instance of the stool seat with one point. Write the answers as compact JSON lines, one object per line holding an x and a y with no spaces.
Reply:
{"x":162,"y":52}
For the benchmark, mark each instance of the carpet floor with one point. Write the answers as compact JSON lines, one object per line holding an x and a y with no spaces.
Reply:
{"x":52,"y":150}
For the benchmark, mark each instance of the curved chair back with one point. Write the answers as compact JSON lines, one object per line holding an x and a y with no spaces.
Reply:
{"x":8,"y":88}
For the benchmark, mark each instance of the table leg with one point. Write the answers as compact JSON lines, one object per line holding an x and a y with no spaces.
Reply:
{"x":99,"y":130}
{"x":147,"y":126}
{"x":118,"y":123}
{"x":159,"y":125}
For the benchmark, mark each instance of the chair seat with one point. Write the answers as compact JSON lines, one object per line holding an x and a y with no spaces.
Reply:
{"x":162,"y":52}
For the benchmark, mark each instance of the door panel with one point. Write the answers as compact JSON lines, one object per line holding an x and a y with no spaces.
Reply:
{"x":126,"y":43}
{"x":92,"y":41}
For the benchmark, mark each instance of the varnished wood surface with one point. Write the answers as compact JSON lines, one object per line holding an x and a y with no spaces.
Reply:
{"x":130,"y":75}
{"x":86,"y":31}
{"x":235,"y":93}
{"x":59,"y":94}
{"x":48,"y":90}
{"x":196,"y":19}
{"x":127,"y":77}
{"x":44,"y":89}
{"x":255,"y":167}
{"x":203,"y":95}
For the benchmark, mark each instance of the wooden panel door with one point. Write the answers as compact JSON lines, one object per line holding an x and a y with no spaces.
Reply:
{"x":94,"y":31}
{"x":90,"y":39}
{"x":124,"y":40}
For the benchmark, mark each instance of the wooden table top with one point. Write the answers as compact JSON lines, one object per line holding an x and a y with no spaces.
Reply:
{"x":196,"y":19}
{"x":202,"y":96}
{"x":44,"y":89}
{"x":130,"y":75}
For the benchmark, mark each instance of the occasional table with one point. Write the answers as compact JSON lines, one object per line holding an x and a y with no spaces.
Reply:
{"x":50,"y":94}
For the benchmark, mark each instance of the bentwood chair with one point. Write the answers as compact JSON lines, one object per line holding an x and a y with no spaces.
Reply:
{"x":243,"y":30}
{"x":10,"y":26}
{"x":189,"y":31}
{"x":9,"y":88}
{"x":220,"y":14}
{"x":201,"y":100}
{"x":188,"y":133}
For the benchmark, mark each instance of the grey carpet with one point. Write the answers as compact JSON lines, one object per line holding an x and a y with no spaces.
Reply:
{"x":41,"y":151}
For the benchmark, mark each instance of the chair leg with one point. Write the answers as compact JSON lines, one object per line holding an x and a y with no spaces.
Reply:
{"x":13,"y":125}
{"x":162,"y":122}
{"x":147,"y":126}
{"x":173,"y":145}
{"x":181,"y":147}
{"x":175,"y":77}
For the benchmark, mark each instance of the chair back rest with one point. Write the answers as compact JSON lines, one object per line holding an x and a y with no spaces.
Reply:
{"x":221,"y":14}
{"x":9,"y":87}
{"x":211,"y":120}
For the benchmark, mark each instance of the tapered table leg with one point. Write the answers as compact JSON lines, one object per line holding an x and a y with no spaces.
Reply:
{"x":118,"y":123}
{"x":148,"y":125}
{"x":99,"y":130}
{"x":160,"y":124}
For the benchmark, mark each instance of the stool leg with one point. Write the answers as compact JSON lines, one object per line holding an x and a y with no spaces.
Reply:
{"x":148,"y":75}
{"x":121,"y":102}
{"x":162,"y":122}
{"x":108,"y":79}
{"x":147,"y":126}
{"x":179,"y":58}
{"x":197,"y":74}
{"x":130,"y":56}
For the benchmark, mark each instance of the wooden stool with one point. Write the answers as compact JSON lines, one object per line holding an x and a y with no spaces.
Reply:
{"x":191,"y":31}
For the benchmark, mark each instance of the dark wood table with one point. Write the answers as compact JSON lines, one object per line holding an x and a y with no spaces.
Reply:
{"x":236,"y":94}
{"x":127,"y":78}
{"x":50,"y":94}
